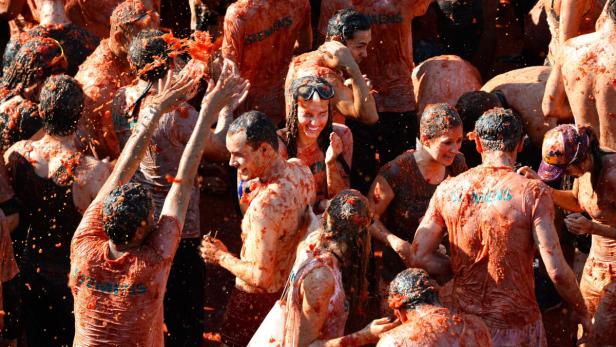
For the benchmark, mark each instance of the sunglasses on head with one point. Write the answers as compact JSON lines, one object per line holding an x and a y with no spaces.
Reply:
{"x":307,"y":91}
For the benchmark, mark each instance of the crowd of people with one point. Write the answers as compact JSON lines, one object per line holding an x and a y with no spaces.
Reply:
{"x":308,"y":173}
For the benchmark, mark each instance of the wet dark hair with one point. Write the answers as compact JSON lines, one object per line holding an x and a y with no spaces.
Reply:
{"x":60,"y":105}
{"x":611,"y":9}
{"x":349,"y":219}
{"x":36,"y":60}
{"x":149,"y":55}
{"x":436,"y":119}
{"x":76,"y":42}
{"x":124,"y":209}
{"x":257,"y":127}
{"x":127,"y":13}
{"x":21,"y":124}
{"x":345,"y":23}
{"x":499,"y":129}
{"x":472,"y":105}
{"x":292,"y":125}
{"x":411,"y":288}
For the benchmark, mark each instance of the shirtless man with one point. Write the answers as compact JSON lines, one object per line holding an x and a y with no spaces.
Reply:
{"x":584,"y":74}
{"x":522,"y":91}
{"x":570,"y":18}
{"x":261,"y":37}
{"x":348,"y":36}
{"x":425,"y":322}
{"x":443,"y":79}
{"x":388,"y":64}
{"x":493,"y":271}
{"x":271,"y":228}
{"x":574,"y":150}
{"x":120,"y":259}
{"x":104,"y":72}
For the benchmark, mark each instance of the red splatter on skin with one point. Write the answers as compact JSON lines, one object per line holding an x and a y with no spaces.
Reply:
{"x":170,"y":179}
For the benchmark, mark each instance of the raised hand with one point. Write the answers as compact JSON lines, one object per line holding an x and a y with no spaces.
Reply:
{"x":229,"y":91}
{"x":335,"y":148}
{"x":337,"y":56}
{"x":172,"y":89}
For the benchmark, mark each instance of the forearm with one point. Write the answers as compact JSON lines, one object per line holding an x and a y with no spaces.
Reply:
{"x":364,"y":104}
{"x":133,"y":151}
{"x":246,"y":271}
{"x":337,"y":179}
{"x":569,"y":290}
{"x":566,"y":200}
{"x":218,"y":149}
{"x":400,"y":246}
{"x":570,"y":19}
{"x":437,"y":265}
{"x":605,"y":230}
{"x":181,"y":190}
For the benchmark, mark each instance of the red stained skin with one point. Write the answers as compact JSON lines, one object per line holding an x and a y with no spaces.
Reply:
{"x":391,"y":47}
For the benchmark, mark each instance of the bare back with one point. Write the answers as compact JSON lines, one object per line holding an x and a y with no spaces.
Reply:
{"x":523,"y":89}
{"x":271,"y":226}
{"x":589,"y":78}
{"x":47,"y":158}
{"x":443,"y":79}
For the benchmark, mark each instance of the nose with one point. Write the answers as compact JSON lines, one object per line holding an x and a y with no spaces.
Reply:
{"x":233,"y":162}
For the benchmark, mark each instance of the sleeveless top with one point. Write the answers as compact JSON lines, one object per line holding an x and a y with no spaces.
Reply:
{"x":48,"y":208}
{"x":337,"y":310}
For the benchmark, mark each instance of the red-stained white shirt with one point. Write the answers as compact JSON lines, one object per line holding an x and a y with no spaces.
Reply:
{"x":119,"y":302}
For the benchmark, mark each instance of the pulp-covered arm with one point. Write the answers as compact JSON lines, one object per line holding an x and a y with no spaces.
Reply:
{"x":170,"y":91}
{"x":230,"y":88}
{"x":340,"y":144}
{"x":546,"y":238}
{"x":571,"y":13}
{"x":555,"y":103}
{"x":427,"y":239}
{"x":356,"y":102}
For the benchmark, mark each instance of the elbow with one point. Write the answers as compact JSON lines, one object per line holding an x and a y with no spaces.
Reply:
{"x":263,"y":279}
{"x":560,"y":277}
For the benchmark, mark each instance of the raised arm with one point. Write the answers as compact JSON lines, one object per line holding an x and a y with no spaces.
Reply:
{"x":340,"y":147}
{"x":355,"y":102}
{"x":555,"y":103}
{"x":571,"y":13}
{"x":170,"y":91}
{"x":229,"y":87}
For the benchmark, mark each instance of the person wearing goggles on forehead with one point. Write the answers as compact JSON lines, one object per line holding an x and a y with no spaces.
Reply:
{"x":104,"y":72}
{"x":575,"y":151}
{"x":325,"y":147}
{"x":348,"y":36}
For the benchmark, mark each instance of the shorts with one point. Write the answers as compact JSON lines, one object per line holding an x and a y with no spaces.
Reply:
{"x":598,"y":287}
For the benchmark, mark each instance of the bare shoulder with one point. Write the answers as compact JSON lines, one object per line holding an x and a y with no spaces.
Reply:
{"x":20,"y":147}
{"x":319,"y":283}
{"x":610,"y":169}
{"x":398,"y":336}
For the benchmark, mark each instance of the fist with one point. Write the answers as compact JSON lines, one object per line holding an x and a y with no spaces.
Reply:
{"x":578,"y":224}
